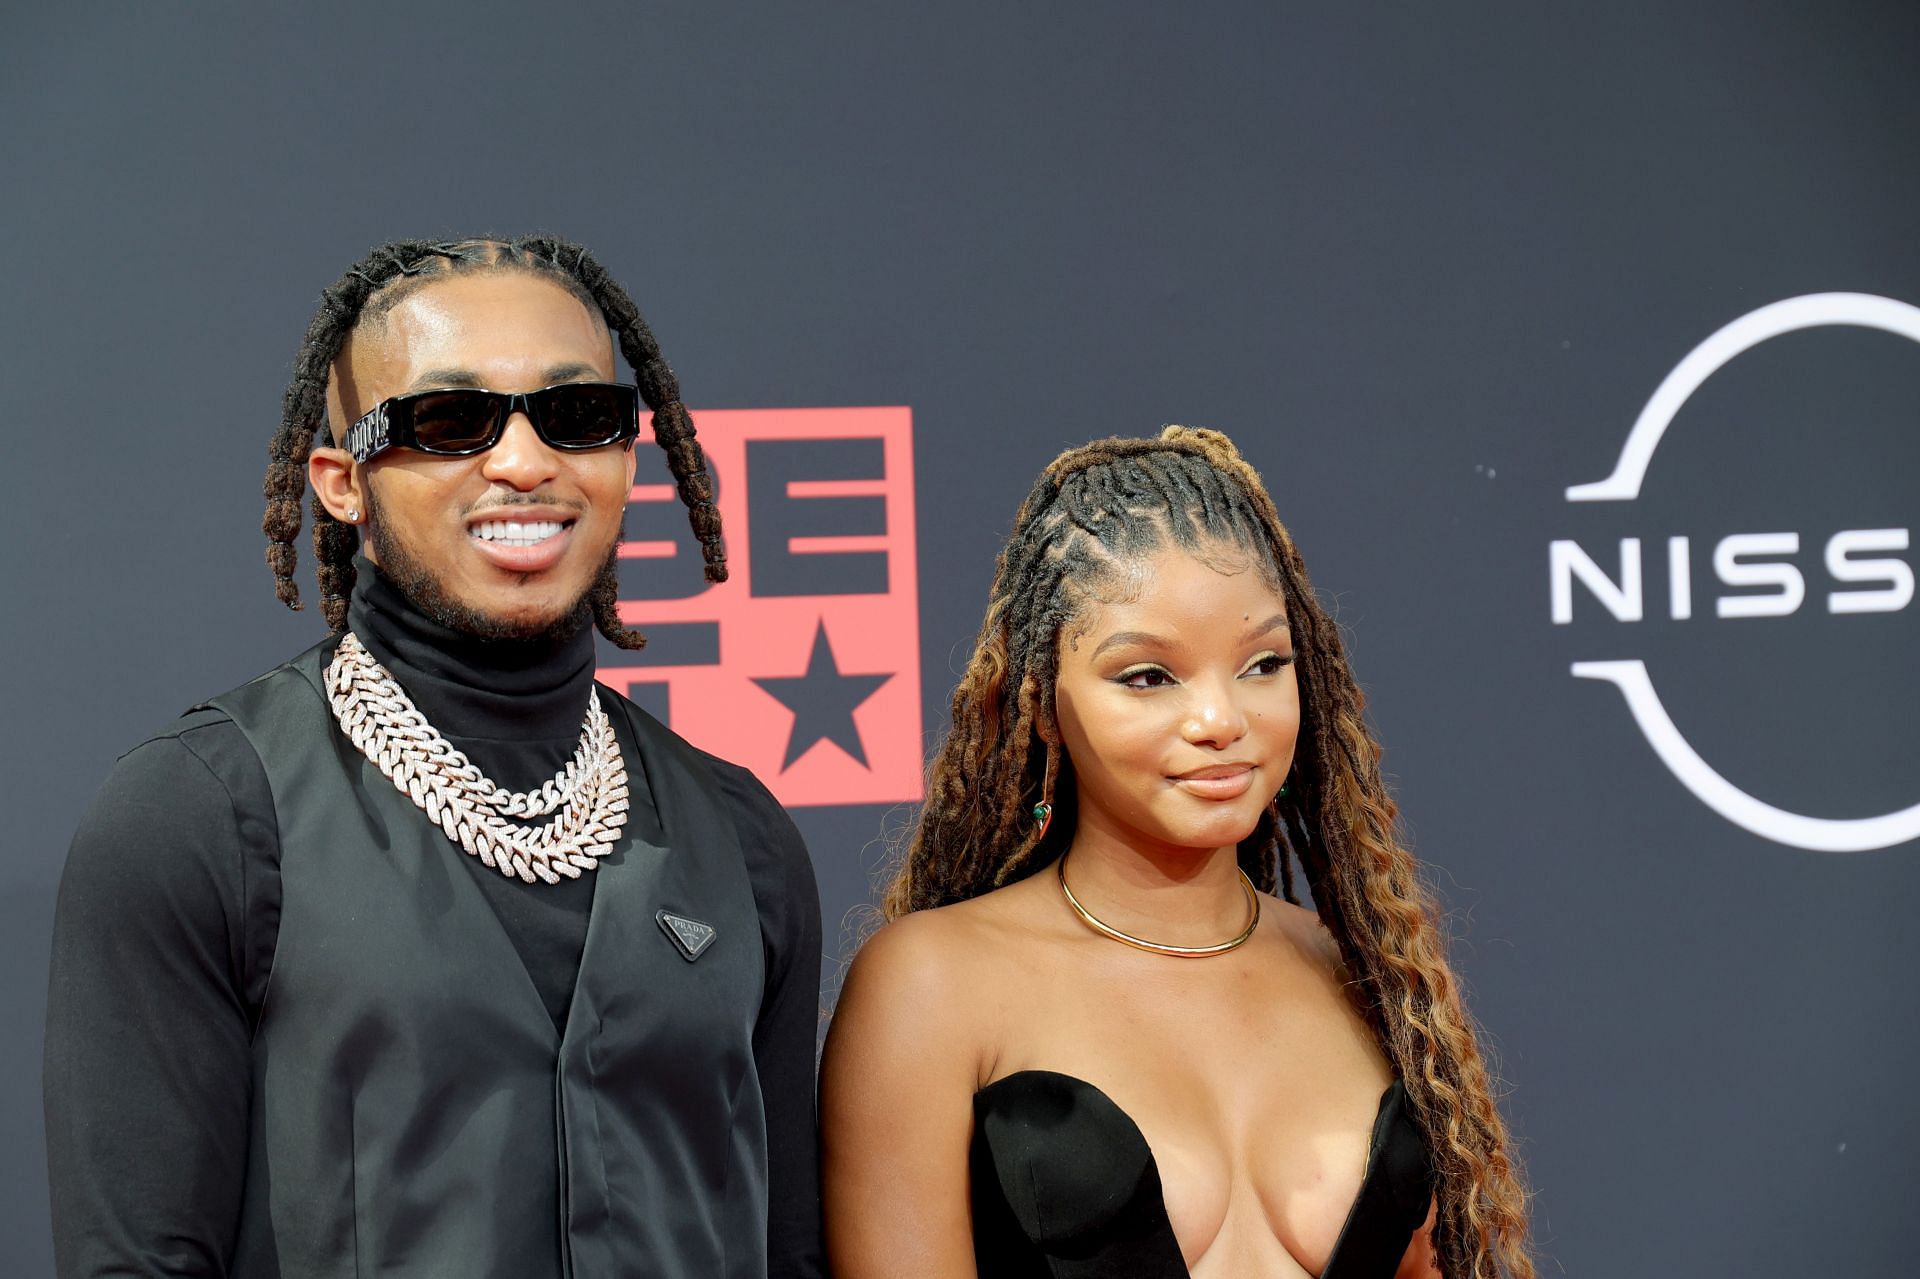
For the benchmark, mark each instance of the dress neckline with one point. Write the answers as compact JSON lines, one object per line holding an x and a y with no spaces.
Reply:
{"x":1391,"y":1109}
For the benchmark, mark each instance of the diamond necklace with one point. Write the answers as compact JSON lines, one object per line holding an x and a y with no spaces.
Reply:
{"x":589,"y":794}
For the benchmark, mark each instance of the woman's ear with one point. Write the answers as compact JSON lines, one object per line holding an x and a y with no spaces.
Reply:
{"x":1039,"y":704}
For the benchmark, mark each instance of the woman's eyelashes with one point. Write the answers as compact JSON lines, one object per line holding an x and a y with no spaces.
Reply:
{"x":1269,"y":664}
{"x":1148,"y":676}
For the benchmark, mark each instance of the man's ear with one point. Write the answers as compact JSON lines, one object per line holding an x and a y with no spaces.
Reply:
{"x":337,"y":482}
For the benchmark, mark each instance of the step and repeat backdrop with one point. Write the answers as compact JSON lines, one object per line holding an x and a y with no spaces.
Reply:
{"x":1579,"y":348}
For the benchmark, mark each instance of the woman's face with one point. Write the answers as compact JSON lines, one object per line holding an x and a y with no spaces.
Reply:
{"x":1177,"y":702}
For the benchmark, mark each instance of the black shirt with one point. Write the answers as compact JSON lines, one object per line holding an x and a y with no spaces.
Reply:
{"x":167,"y":919}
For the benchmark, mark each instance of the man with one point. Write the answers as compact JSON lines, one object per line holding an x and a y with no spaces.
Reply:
{"x":419,"y":956}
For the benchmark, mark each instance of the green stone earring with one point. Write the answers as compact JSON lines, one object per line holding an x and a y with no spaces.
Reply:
{"x":1043,"y":813}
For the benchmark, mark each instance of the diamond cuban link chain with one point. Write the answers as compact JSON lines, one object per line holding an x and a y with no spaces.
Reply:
{"x":589,"y":795}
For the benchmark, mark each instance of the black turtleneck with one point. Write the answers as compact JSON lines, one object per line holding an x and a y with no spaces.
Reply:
{"x":515,"y":710}
{"x":168,"y":916}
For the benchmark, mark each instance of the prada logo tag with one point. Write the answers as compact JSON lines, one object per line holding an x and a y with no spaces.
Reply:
{"x":689,"y":936}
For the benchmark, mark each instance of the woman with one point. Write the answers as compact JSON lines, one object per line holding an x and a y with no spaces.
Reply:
{"x":1090,"y":1043}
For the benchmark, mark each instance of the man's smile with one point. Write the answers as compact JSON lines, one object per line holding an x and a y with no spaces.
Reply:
{"x":531,"y":539}
{"x":517,"y":532}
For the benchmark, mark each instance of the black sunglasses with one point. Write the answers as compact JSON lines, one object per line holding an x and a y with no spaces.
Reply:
{"x":461,"y":421}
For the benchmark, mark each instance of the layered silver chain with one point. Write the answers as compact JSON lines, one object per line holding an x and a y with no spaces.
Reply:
{"x":585,"y":803}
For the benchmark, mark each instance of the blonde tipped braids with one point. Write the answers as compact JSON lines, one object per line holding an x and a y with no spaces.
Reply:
{"x":586,"y":803}
{"x":1091,"y":511}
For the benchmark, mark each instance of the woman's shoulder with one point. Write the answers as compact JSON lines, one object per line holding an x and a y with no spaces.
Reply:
{"x":1302,"y":926}
{"x":934,"y":980}
{"x":927,"y":949}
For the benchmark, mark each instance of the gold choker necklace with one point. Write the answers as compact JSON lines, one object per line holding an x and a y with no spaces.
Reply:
{"x":1105,"y":929}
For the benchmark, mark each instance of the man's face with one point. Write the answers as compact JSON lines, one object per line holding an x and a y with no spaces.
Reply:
{"x":505,"y":543}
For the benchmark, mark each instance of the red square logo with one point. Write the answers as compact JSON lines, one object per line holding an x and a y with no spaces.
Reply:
{"x":805,"y":664}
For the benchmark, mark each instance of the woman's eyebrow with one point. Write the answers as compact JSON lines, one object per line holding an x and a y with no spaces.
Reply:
{"x":1278,"y":622}
{"x":1141,"y":638}
{"x":1146,"y":639}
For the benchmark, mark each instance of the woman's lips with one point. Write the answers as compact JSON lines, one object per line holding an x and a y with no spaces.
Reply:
{"x":1229,"y":781}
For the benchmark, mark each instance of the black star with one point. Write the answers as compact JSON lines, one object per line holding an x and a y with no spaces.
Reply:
{"x":823,"y":702}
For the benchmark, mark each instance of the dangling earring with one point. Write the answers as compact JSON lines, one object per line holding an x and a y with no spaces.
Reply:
{"x":1043,"y":811}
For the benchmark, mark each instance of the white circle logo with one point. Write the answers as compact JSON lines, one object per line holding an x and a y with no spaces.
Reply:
{"x":1817,"y":834}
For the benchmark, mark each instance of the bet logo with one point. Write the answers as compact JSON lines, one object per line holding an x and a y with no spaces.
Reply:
{"x":1860,"y":572}
{"x":805,"y":664}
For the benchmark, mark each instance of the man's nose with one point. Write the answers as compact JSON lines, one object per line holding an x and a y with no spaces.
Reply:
{"x":520,"y":458}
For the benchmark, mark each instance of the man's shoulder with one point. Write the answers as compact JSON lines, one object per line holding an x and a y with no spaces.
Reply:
{"x":775,"y":852}
{"x":739,"y":787}
{"x":170,"y":816}
{"x":199,"y":739}
{"x":302,"y":670}
{"x":193,"y":725}
{"x":201,"y":749}
{"x":766,"y":830}
{"x":779,"y":868}
{"x":203,"y":739}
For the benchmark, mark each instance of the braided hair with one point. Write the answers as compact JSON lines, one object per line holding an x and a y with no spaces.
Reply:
{"x":373,"y":286}
{"x":1094,"y":513}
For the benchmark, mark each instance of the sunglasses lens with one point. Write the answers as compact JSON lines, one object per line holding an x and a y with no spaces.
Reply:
{"x":455,"y":421}
{"x":587,"y":415}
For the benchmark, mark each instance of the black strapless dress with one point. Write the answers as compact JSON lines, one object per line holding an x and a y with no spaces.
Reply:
{"x":1064,"y":1187}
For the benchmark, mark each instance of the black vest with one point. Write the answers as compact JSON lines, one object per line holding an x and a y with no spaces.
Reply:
{"x":415,"y":1112}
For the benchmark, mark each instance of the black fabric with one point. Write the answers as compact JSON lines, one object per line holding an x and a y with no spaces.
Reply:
{"x":515,"y":710}
{"x":1394,"y":1196}
{"x":409,"y":1087}
{"x":168,"y":920}
{"x":1065,"y":1187}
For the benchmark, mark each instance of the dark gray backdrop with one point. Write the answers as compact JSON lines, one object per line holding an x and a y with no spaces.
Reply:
{"x":1426,"y":264}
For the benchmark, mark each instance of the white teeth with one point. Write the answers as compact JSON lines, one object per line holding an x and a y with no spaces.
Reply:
{"x":509,"y":533}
